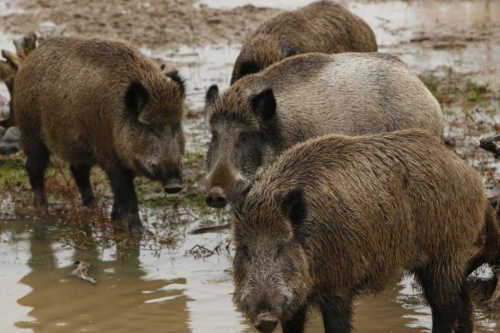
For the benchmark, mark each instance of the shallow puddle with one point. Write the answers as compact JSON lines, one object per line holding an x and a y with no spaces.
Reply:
{"x":152,"y":289}
{"x":186,"y":286}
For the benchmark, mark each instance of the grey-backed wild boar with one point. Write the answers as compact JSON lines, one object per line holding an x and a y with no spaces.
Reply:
{"x":303,"y":97}
{"x":97,"y":101}
{"x":322,"y":26}
{"x":337,"y":216}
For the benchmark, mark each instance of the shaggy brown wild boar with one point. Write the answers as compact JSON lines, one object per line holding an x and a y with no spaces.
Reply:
{"x":323,"y":26}
{"x":339,"y":216}
{"x":97,"y":101}
{"x":303,"y":97}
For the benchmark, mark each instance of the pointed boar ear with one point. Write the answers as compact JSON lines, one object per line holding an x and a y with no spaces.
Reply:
{"x":291,"y":53}
{"x":136,"y":98}
{"x":212,"y":94}
{"x":174,"y":75}
{"x":294,"y":206}
{"x":248,"y":67}
{"x":13,"y":60}
{"x":264,"y":104}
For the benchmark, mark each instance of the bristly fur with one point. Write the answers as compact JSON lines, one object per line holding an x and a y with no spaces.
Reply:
{"x":100,"y":101}
{"x":377,"y":205}
{"x":323,"y":26}
{"x":314,"y":94}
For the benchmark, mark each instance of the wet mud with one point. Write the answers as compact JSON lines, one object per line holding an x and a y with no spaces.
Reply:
{"x":174,"y":281}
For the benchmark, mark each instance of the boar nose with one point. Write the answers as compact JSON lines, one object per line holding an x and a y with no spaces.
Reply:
{"x":216,"y":198}
{"x":266,"y":322}
{"x":173,"y":185}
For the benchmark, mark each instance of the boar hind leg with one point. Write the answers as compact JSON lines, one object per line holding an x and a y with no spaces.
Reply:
{"x":337,"y":314}
{"x":447,"y":306}
{"x":125,"y":206}
{"x":465,"y":322}
{"x":36,"y":163}
{"x":81,"y":173}
{"x":296,"y":324}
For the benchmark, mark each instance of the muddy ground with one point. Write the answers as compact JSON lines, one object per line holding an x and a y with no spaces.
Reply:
{"x":454,"y":47}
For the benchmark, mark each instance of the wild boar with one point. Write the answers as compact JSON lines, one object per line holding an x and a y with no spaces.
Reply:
{"x":97,"y":101}
{"x":306,"y":96}
{"x":8,"y":71}
{"x":336,"y":217}
{"x":8,"y":68}
{"x":323,"y":26}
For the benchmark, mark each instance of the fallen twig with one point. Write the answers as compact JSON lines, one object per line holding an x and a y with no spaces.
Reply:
{"x":488,"y":144}
{"x":215,"y":228}
{"x":81,"y":272}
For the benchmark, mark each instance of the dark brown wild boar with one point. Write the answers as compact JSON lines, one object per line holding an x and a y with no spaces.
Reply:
{"x":323,"y":26}
{"x":337,"y":216}
{"x":306,"y":96}
{"x":97,"y":101}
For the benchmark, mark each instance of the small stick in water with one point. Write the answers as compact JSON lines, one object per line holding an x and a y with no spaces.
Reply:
{"x":81,"y":271}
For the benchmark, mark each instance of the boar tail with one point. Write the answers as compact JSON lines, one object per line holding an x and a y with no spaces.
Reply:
{"x":492,"y":241}
{"x":490,"y":253}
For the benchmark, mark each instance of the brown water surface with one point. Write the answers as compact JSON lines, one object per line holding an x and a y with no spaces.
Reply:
{"x":180,"y":287}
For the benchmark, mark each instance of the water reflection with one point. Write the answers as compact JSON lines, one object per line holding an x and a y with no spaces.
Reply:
{"x":124,"y":297}
{"x":147,"y":288}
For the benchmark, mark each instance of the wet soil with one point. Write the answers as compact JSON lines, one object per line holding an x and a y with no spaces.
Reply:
{"x":171,"y":280}
{"x":154,"y":24}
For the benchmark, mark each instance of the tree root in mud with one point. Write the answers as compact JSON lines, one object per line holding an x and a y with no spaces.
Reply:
{"x":485,"y":292}
{"x":489,"y":288}
{"x":488,"y":144}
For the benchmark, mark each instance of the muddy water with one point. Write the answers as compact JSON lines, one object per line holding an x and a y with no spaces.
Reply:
{"x":184,"y":287}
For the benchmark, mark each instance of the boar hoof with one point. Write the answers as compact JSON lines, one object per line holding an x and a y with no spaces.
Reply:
{"x":174,"y":186}
{"x":216,"y":198}
{"x":135,"y":226}
{"x":266,"y":323}
{"x":88,"y":201}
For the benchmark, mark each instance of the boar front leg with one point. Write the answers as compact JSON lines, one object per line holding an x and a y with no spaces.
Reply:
{"x":337,"y":314}
{"x":125,"y":206}
{"x":296,"y":324}
{"x":81,"y":174}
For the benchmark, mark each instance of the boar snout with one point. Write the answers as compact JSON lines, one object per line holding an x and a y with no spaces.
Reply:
{"x":173,"y":185}
{"x":170,"y":176}
{"x":266,"y":322}
{"x":216,"y":198}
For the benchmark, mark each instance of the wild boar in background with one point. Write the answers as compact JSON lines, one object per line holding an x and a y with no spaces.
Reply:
{"x":322,"y":26}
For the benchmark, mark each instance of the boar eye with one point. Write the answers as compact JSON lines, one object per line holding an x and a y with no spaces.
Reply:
{"x":243,"y":136}
{"x":214,"y":136}
{"x":244,"y":249}
{"x":176,"y":126}
{"x":150,"y":127}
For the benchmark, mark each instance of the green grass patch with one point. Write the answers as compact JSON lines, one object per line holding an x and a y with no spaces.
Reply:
{"x":476,"y":92}
{"x":12,"y":174}
{"x":194,"y":157}
{"x":444,"y":93}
